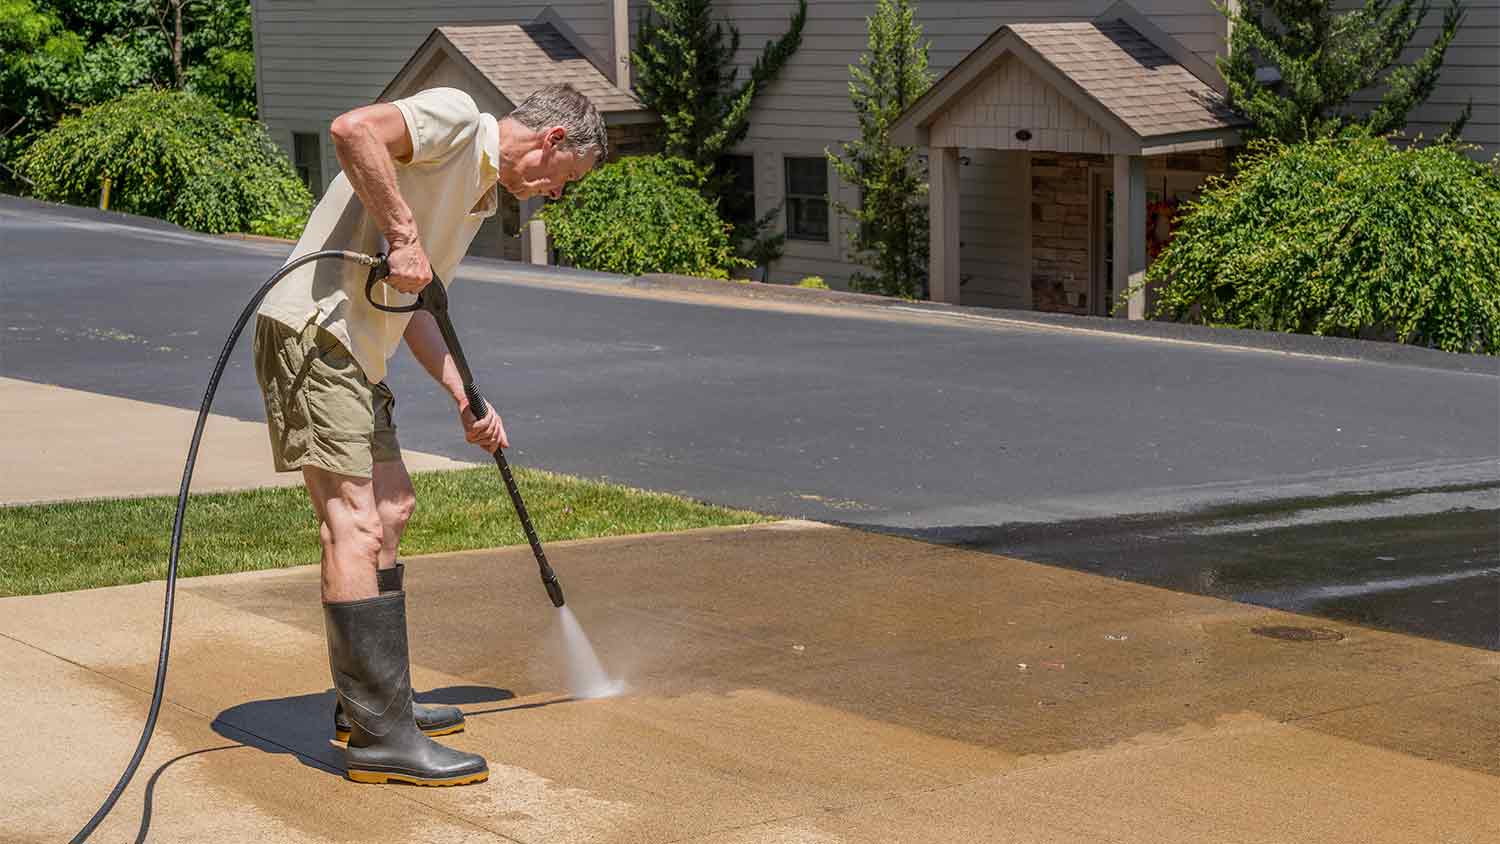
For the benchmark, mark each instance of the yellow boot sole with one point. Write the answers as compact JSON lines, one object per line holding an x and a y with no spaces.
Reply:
{"x":382,"y":777}
{"x":343,"y":735}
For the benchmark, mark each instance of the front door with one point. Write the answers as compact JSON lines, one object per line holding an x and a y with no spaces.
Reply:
{"x":1179,"y":187}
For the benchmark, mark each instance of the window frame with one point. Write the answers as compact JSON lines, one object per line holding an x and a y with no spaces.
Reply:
{"x":793,"y":199}
{"x":311,"y":168}
{"x":742,"y":190}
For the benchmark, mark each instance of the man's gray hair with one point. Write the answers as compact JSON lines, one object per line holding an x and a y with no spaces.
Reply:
{"x":563,"y":105}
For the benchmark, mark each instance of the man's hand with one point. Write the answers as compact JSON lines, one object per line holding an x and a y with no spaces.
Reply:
{"x":409,"y":268}
{"x":487,"y":433}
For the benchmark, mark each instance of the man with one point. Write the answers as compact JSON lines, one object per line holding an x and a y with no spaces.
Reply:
{"x":421,"y":175}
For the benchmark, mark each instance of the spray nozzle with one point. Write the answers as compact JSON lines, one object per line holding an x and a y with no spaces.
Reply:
{"x":554,"y":589}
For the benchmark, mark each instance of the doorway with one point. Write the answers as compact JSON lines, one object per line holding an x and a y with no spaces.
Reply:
{"x":1179,"y":187}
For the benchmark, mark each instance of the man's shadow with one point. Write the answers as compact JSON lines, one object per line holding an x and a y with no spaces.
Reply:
{"x":303,"y":725}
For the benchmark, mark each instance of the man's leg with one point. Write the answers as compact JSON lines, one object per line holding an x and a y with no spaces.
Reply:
{"x":394,"y":497}
{"x":350,"y":531}
{"x":395,"y":501}
{"x":367,"y":645}
{"x":319,"y":408}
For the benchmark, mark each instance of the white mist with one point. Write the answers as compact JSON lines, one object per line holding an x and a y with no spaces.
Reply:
{"x":586,"y":677}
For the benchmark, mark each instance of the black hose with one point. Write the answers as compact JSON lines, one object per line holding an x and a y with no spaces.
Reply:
{"x":182,"y":499}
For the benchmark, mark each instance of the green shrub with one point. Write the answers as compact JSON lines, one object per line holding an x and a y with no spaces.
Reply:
{"x":641,"y":214}
{"x":171,"y":155}
{"x":1346,"y":237}
{"x":287,"y":226}
{"x":814,"y":282}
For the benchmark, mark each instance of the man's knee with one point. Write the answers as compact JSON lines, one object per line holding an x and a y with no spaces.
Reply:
{"x":395,"y":512}
{"x":357,"y":532}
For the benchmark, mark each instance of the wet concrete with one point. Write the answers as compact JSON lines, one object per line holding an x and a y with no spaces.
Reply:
{"x":787,"y":682}
{"x":1424,"y":561}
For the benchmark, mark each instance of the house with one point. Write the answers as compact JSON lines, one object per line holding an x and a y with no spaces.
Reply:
{"x":1024,"y":224}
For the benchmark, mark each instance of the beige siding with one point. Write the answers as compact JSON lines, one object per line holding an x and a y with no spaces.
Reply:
{"x":1471,"y":72}
{"x":995,"y":203}
{"x":316,"y":60}
{"x":1012,"y":98}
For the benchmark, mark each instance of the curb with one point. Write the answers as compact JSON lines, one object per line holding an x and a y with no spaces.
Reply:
{"x":256,"y":238}
{"x":1374,"y":351}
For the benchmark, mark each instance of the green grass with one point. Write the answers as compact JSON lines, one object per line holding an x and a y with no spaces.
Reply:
{"x":81,"y":545}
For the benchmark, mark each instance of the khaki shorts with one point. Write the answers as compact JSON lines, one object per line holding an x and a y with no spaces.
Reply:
{"x":320,"y":408}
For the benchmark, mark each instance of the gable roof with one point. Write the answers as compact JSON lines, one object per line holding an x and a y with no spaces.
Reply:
{"x":1127,"y":73}
{"x":518,"y":59}
{"x":1143,"y":86}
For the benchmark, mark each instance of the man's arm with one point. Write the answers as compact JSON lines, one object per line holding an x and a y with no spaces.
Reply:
{"x":427,"y":346}
{"x":368,"y":142}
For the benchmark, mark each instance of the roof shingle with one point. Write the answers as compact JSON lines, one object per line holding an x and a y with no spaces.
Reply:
{"x":1130,"y":76}
{"x":521,"y":58}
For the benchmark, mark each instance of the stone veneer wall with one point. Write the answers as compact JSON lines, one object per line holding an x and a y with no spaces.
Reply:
{"x":1061,"y":227}
{"x":1060,"y":231}
{"x":633,"y":139}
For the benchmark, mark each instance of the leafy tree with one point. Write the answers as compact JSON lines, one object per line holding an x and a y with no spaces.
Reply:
{"x":684,"y":70}
{"x":642,"y":214}
{"x":1324,"y":58}
{"x":54,"y":57}
{"x":57,"y":56}
{"x":1345,"y":237}
{"x":220,"y":55}
{"x":172,"y":155}
{"x":891,"y":236}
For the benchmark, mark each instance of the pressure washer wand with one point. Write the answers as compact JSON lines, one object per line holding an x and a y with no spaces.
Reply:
{"x":434,"y":300}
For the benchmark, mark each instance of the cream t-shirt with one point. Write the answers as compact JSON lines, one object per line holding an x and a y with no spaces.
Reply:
{"x":449,"y":185}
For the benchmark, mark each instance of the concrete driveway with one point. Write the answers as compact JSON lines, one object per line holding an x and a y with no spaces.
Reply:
{"x":789,"y":682}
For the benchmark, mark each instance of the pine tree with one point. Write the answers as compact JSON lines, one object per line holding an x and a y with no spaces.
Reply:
{"x":684,"y":70}
{"x":1324,"y":58}
{"x":891,"y":232}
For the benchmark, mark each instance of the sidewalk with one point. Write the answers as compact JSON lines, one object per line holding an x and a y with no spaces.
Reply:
{"x":66,"y":444}
{"x":789,"y":683}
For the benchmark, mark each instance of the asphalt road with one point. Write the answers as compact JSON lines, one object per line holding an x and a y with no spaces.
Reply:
{"x":1113,"y":453}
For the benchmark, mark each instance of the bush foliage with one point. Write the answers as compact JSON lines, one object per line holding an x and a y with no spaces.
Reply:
{"x":171,"y":155}
{"x":642,"y":214}
{"x":687,"y":70}
{"x":1349,"y":237}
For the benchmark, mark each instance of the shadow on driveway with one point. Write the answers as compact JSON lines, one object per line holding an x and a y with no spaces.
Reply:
{"x":302,"y":725}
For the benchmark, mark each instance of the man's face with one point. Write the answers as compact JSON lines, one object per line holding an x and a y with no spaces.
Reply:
{"x":547,"y":168}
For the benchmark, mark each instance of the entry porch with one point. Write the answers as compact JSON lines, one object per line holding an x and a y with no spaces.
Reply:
{"x":1050,"y":144}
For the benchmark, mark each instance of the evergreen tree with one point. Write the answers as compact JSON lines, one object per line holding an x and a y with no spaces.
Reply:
{"x":891,"y":235}
{"x":684,"y":70}
{"x":1324,"y":58}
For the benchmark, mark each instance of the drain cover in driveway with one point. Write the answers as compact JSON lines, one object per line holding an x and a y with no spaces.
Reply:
{"x":1298,"y":634}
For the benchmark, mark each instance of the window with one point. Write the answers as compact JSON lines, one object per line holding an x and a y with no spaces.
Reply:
{"x":807,"y":199}
{"x":738,"y":204}
{"x":307,"y":158}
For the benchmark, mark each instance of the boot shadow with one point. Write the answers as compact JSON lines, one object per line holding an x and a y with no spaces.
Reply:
{"x":302,"y":725}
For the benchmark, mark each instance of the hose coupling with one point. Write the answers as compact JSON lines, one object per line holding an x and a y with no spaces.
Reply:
{"x":362,"y":259}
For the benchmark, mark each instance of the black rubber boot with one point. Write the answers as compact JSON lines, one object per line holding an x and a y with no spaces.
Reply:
{"x":432,"y":720}
{"x":372,"y":674}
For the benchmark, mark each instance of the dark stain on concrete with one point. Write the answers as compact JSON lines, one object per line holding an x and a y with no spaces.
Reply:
{"x":1435,"y":575}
